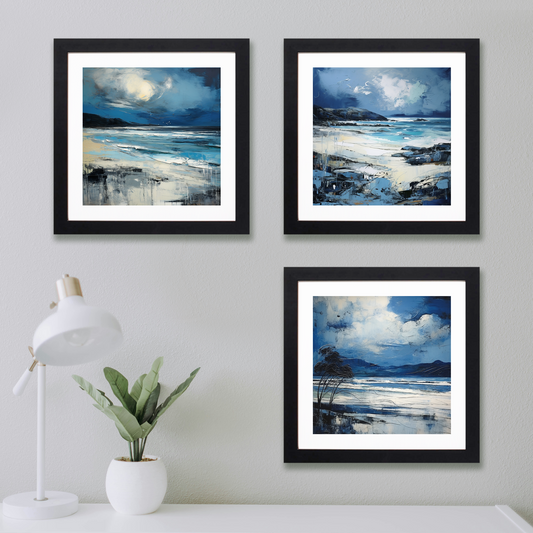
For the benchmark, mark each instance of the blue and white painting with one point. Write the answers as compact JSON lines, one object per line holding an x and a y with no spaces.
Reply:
{"x":382,"y":136}
{"x":381,"y":365}
{"x":151,"y":136}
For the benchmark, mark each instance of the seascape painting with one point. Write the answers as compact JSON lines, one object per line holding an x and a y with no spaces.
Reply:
{"x":382,"y":136}
{"x":151,"y":136}
{"x":382,"y":365}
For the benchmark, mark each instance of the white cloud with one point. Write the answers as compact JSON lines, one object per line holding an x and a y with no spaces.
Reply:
{"x":428,"y":327}
{"x":126,"y":87}
{"x":151,"y":88}
{"x":398,"y":92}
{"x":394,"y":90}
{"x":363,"y":89}
{"x":366,"y":323}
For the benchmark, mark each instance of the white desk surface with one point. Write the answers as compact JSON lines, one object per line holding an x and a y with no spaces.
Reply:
{"x":99,"y":518}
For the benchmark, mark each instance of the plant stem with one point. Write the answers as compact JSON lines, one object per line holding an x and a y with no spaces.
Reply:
{"x":131,"y":456}
{"x":136,"y":457}
{"x":143,"y":445}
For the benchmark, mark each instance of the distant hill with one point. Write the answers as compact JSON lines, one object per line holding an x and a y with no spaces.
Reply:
{"x":360,"y":366}
{"x":436,"y":369}
{"x":324,"y":115}
{"x":96,"y":121}
{"x":434,"y":114}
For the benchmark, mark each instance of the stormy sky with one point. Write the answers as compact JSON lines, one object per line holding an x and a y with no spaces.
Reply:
{"x":387,"y":91}
{"x":384,"y":330}
{"x":161,"y":96}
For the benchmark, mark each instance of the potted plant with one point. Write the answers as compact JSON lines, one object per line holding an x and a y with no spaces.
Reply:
{"x":135,"y":484}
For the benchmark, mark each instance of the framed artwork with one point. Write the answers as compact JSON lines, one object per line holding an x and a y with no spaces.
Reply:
{"x":381,"y":365}
{"x":151,"y":136}
{"x":382,"y":136}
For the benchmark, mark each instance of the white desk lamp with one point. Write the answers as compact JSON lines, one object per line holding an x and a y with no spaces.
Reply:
{"x":76,"y":333}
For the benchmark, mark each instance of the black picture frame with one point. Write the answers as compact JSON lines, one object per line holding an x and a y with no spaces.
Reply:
{"x":301,"y":215}
{"x":236,"y":220}
{"x":299,"y":435}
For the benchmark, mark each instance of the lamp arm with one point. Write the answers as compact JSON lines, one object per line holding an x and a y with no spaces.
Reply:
{"x":18,"y":389}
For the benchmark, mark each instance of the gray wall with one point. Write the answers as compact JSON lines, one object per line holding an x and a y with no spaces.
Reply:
{"x":217,"y":302}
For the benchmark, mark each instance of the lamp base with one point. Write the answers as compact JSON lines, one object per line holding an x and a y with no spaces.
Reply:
{"x":24,"y":507}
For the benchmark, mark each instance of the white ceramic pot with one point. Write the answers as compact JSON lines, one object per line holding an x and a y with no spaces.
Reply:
{"x":136,"y":488}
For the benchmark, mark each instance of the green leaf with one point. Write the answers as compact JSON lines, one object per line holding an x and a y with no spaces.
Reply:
{"x":148,"y":385}
{"x":174,"y":396}
{"x":119,"y":385}
{"x":151,"y":404}
{"x":123,"y":433}
{"x":103,"y":394}
{"x":137,"y":388}
{"x":126,"y":423}
{"x":147,"y":428}
{"x":92,"y":391}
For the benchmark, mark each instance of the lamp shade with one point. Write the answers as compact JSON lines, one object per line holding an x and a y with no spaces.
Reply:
{"x":76,"y":333}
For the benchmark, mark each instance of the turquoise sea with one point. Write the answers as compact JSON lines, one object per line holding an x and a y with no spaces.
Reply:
{"x":401,"y":131}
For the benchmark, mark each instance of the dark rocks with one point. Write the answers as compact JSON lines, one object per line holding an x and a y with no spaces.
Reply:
{"x":443,"y":146}
{"x":438,"y":153}
{"x":323,"y":116}
{"x":96,"y":175}
{"x":433,"y":190}
{"x":96,"y":121}
{"x":419,"y":159}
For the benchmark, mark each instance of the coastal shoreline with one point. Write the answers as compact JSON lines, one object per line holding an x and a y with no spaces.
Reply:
{"x":356,"y":167}
{"x":113,"y":174}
